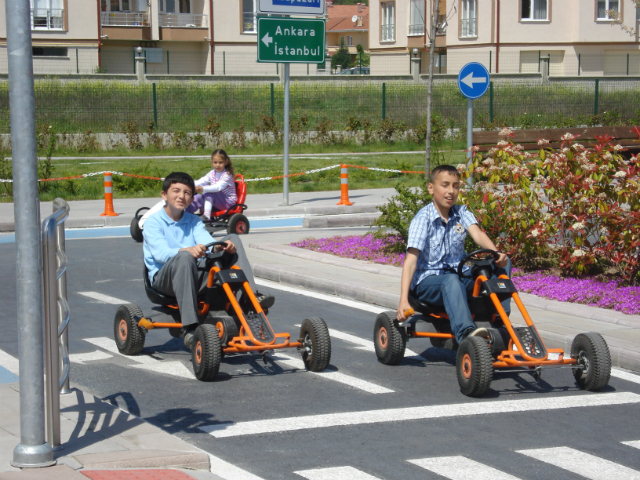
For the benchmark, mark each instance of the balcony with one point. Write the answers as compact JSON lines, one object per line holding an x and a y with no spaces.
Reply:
{"x":416,"y":29}
{"x":183,"y":20}
{"x":249,"y":22}
{"x":124,"y":19}
{"x":468,"y":27}
{"x":46,"y":19}
{"x":388,"y":33}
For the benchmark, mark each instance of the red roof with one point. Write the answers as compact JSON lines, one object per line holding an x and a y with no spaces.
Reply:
{"x":340,"y":17}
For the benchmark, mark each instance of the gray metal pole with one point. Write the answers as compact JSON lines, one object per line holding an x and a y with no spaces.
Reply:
{"x":469,"y":135}
{"x":285,"y":184}
{"x":32,"y":451}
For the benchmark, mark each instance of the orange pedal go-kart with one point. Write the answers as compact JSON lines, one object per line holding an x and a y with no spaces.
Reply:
{"x":232,"y":219}
{"x":230,"y":321}
{"x":505,"y":347}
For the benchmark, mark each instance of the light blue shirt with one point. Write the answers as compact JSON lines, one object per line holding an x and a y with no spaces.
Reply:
{"x":441,"y":244}
{"x":164,"y":238}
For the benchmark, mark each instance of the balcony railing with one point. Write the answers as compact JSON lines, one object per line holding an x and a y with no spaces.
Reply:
{"x":124,"y":19}
{"x":388,"y":33}
{"x":468,"y":27}
{"x":249,"y":22}
{"x":416,"y":29}
{"x":46,"y":19}
{"x":192,"y":20}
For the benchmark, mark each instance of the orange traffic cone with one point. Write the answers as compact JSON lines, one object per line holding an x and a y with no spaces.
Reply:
{"x":344,"y":186}
{"x":108,"y":196}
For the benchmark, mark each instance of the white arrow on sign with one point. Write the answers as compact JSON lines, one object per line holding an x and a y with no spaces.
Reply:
{"x":267,"y":39}
{"x":469,"y":80}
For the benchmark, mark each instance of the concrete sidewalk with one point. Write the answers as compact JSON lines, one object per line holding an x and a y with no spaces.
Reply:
{"x":86,"y":213}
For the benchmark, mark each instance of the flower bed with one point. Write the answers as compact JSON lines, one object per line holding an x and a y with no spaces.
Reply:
{"x":586,"y":291}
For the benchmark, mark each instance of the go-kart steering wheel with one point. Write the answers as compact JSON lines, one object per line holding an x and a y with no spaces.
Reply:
{"x":219,"y":254}
{"x":489,"y":257}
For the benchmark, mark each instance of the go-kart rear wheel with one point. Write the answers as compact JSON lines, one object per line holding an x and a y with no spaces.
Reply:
{"x":238,"y":224}
{"x":593,"y":369}
{"x":206,"y":352}
{"x":389,"y":338}
{"x":474,"y":366}
{"x":316,"y":344}
{"x":128,"y":335}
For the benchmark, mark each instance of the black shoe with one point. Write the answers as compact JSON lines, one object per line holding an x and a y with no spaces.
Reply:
{"x":187,"y":334}
{"x":265,"y":301}
{"x":476,"y":332}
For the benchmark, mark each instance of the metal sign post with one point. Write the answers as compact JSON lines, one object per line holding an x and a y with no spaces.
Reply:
{"x":473,"y":82}
{"x":286,"y":41}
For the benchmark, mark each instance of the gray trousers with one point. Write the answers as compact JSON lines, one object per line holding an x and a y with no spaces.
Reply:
{"x":185,"y":277}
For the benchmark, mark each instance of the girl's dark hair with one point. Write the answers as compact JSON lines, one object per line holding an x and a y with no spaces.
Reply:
{"x":443,"y":168}
{"x":224,"y":155}
{"x":179,"y":177}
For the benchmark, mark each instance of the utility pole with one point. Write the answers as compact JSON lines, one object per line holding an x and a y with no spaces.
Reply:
{"x":434,"y":28}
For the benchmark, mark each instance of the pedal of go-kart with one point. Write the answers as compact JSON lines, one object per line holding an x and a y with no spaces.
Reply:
{"x":531,"y":342}
{"x":259,"y":327}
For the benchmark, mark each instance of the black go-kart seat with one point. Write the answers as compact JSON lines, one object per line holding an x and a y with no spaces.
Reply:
{"x":154,"y":295}
{"x":424,"y":308}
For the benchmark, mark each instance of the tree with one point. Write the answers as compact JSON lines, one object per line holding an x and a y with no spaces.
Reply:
{"x":341,"y":57}
{"x":432,"y":39}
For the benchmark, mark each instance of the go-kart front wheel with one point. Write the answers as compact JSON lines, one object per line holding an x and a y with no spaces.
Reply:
{"x":206,"y":352}
{"x":316,"y":344}
{"x":128,"y":335}
{"x":474,"y":366}
{"x":389,"y":338}
{"x":238,"y":224}
{"x":593,"y":370}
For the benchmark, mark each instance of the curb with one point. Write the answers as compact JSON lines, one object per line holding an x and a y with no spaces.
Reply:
{"x":620,"y":356}
{"x":333,"y":221}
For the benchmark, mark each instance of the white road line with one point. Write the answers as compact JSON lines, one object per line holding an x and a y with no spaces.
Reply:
{"x":88,"y":357}
{"x":461,"y":468}
{"x":633,"y":443}
{"x":367,"y":345}
{"x":624,"y":375}
{"x":335,"y":473}
{"x":321,"y":296}
{"x":9,"y":362}
{"x":418,"y":413}
{"x":104,"y":298}
{"x":229,"y":471}
{"x":145,"y":362}
{"x":333,"y":375}
{"x":580,"y":463}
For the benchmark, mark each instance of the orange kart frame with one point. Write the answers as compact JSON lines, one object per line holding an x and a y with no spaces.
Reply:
{"x":505,"y":346}
{"x":238,"y":324}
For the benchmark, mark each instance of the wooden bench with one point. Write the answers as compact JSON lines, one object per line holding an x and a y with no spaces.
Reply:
{"x":586,"y":136}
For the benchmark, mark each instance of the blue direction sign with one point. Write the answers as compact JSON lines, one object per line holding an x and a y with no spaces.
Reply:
{"x":473,"y":80}
{"x":292,"y":7}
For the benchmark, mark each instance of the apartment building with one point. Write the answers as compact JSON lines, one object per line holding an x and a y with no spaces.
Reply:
{"x":348,"y":24}
{"x":575,"y":37}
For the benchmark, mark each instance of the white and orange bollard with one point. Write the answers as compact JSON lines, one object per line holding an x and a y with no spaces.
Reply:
{"x":344,"y":186}
{"x":108,"y":196}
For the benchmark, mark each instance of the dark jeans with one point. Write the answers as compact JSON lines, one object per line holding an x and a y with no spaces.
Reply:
{"x":453,"y":293}
{"x":185,"y":277}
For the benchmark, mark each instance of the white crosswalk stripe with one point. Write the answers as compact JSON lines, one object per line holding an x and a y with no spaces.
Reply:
{"x":368,"y":345}
{"x":584,"y":464}
{"x":633,"y":443}
{"x":103,"y":298}
{"x":461,"y":468}
{"x":335,"y":473}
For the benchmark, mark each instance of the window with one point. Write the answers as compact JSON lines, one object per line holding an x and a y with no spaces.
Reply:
{"x":49,"y":52}
{"x":534,"y":10}
{"x":249,"y":22}
{"x":388,"y":21}
{"x":46,"y":14}
{"x":416,"y":17}
{"x":349,"y":41}
{"x":605,"y":6}
{"x":638,"y":13}
{"x":468,"y":18}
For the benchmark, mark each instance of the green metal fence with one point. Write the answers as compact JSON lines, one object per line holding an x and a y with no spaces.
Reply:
{"x":187,"y":106}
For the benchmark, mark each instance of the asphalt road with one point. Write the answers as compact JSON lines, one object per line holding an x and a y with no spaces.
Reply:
{"x":359,"y":419}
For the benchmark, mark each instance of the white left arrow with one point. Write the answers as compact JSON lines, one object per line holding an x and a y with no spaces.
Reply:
{"x":469,"y":80}
{"x":267,"y":39}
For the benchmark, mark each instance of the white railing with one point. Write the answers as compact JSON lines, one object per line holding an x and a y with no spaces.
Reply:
{"x":124,"y":19}
{"x":468,"y":27}
{"x":388,"y":33}
{"x":46,"y":19}
{"x":183,"y":20}
{"x":416,"y":29}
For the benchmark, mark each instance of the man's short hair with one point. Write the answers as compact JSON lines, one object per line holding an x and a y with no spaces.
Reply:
{"x":441,"y":169}
{"x":179,"y":177}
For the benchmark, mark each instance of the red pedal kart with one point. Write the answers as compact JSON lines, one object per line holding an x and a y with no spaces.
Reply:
{"x":505,"y":347}
{"x":231,"y":219}
{"x":230,"y":321}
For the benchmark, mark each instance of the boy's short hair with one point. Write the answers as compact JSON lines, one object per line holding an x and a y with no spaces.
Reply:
{"x":441,"y":169}
{"x":178,"y":177}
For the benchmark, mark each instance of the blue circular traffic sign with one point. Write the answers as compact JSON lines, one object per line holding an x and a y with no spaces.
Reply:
{"x":473,"y":80}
